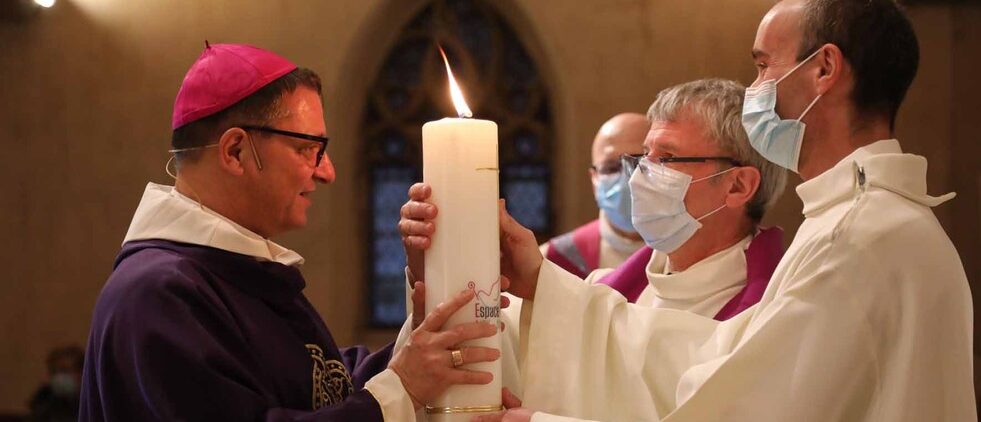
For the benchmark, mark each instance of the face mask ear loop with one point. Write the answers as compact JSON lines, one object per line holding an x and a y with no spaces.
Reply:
{"x":797,"y":67}
{"x":710,"y":213}
{"x":713,"y":175}
{"x":809,"y":107}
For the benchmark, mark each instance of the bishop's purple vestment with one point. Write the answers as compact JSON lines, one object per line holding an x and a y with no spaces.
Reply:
{"x":193,"y":333}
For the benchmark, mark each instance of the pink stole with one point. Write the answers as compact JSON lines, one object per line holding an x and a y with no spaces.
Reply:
{"x":762,"y":256}
{"x":577,"y":251}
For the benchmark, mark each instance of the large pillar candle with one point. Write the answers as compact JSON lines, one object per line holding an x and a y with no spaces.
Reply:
{"x":460,"y":163}
{"x":459,"y":158}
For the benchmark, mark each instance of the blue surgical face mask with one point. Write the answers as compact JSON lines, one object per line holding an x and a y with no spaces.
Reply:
{"x":659,"y":213}
{"x":613,"y":197}
{"x":64,"y":385}
{"x":776,"y":139}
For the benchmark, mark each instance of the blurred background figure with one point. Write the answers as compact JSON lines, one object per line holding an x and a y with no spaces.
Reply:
{"x":610,"y":239}
{"x":57,"y":399}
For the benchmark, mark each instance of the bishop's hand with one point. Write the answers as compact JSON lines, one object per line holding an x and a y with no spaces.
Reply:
{"x":431,"y":360}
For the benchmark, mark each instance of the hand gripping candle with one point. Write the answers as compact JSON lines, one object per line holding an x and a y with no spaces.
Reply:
{"x":459,"y":157}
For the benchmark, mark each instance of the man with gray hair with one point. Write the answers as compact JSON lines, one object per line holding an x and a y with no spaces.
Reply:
{"x":705,"y":254}
{"x":710,"y":226}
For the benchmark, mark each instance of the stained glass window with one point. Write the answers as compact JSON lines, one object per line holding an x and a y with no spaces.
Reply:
{"x":501,"y":83}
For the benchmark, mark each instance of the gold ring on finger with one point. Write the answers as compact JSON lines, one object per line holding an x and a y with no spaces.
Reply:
{"x":457,"y":357}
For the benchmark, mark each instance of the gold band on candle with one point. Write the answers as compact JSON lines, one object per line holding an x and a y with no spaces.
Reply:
{"x":430,"y":410}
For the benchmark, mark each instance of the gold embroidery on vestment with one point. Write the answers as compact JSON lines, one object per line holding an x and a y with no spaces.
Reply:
{"x":331,"y":382}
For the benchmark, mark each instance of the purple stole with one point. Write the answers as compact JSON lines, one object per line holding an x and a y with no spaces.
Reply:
{"x":762,"y":256}
{"x":577,"y":251}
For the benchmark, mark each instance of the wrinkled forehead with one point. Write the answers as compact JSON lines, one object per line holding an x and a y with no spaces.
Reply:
{"x":685,"y":136}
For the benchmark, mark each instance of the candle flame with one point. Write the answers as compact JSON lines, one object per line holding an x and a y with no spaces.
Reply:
{"x":461,"y":105}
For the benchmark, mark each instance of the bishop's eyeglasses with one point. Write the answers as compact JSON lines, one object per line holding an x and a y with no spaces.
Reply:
{"x":313,"y":157}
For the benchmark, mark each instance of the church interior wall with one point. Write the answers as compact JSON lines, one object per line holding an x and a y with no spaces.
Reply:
{"x":88,"y":86}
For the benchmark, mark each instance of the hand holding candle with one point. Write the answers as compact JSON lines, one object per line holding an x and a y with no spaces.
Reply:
{"x":422,"y":365}
{"x":416,"y":228}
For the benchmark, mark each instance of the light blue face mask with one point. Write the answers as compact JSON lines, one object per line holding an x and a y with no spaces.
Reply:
{"x":659,"y":212}
{"x":613,"y":197}
{"x":64,"y":385}
{"x":776,"y":139}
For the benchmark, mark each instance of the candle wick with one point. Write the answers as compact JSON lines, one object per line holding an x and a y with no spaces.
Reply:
{"x":465,"y":115}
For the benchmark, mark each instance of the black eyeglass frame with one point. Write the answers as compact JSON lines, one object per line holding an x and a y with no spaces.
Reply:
{"x":630,"y":161}
{"x":636,"y":158}
{"x":321,"y":139}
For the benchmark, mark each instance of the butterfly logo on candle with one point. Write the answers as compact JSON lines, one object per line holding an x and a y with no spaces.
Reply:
{"x":486,"y":307}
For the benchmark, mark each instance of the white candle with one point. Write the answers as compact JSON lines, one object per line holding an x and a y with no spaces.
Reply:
{"x":459,"y":159}
{"x":460,"y":163}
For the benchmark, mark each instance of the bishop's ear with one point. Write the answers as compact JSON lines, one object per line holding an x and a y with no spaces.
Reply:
{"x":233,"y":150}
{"x":745,"y":183}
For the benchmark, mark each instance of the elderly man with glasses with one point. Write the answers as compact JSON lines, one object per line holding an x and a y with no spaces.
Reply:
{"x":203,"y":317}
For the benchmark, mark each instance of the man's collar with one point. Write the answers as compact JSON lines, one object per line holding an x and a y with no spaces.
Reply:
{"x":880,"y":165}
{"x":166,"y":214}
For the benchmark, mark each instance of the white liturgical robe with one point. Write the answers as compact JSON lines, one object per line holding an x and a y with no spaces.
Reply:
{"x":867,"y":318}
{"x":704,"y":288}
